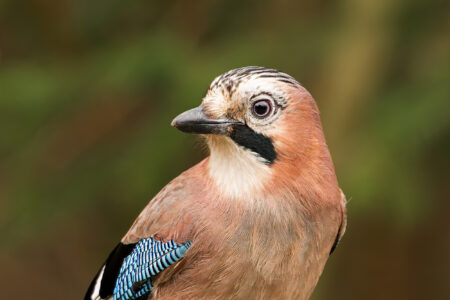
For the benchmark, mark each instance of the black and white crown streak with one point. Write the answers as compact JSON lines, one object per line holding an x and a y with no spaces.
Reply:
{"x":232,"y":79}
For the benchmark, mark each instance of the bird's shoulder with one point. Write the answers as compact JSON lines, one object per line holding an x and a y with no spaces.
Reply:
{"x":163,"y":227}
{"x":169,"y":215}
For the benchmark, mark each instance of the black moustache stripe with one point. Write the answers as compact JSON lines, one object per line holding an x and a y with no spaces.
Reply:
{"x":256,"y":142}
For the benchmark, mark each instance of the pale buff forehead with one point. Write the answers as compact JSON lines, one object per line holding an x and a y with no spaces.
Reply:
{"x":231,"y":97}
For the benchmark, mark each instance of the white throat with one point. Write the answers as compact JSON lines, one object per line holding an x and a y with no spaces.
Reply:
{"x":237,"y":172}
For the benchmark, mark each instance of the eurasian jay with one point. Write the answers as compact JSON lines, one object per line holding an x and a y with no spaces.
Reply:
{"x":256,"y":219}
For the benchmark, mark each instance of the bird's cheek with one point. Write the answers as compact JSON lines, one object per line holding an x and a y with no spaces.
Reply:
{"x":236,"y":112}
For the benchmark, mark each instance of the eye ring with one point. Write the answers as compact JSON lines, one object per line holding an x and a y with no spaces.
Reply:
{"x":262,"y":108}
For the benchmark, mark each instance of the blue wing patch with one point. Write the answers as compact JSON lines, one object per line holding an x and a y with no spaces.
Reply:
{"x":148,"y":258}
{"x":128,"y":270}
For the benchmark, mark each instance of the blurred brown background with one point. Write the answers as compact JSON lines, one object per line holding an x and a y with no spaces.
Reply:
{"x":88,"y":90}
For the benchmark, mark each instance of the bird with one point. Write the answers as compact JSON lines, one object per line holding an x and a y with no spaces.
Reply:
{"x":256,"y":219}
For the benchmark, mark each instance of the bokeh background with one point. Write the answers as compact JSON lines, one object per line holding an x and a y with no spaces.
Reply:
{"x":88,"y":90}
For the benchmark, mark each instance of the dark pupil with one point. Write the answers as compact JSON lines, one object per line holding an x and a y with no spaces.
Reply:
{"x":261,"y":108}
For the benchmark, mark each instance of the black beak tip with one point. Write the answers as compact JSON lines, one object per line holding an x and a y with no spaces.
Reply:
{"x":188,"y":117}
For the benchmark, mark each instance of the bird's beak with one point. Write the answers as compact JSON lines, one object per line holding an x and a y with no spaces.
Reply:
{"x":196,"y":121}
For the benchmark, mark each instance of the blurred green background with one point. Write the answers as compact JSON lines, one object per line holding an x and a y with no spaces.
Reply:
{"x":88,"y":90}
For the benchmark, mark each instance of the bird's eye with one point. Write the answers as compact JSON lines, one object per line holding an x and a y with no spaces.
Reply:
{"x":262,"y":108}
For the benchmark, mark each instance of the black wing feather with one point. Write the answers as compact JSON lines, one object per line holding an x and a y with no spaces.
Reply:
{"x":111,"y":272}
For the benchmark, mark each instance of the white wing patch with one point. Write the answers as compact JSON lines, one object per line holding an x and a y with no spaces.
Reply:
{"x":96,"y":293}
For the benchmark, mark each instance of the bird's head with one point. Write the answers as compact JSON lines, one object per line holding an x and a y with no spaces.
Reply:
{"x":260,"y":124}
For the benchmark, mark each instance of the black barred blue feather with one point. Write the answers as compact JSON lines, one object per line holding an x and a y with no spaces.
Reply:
{"x":147,"y":258}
